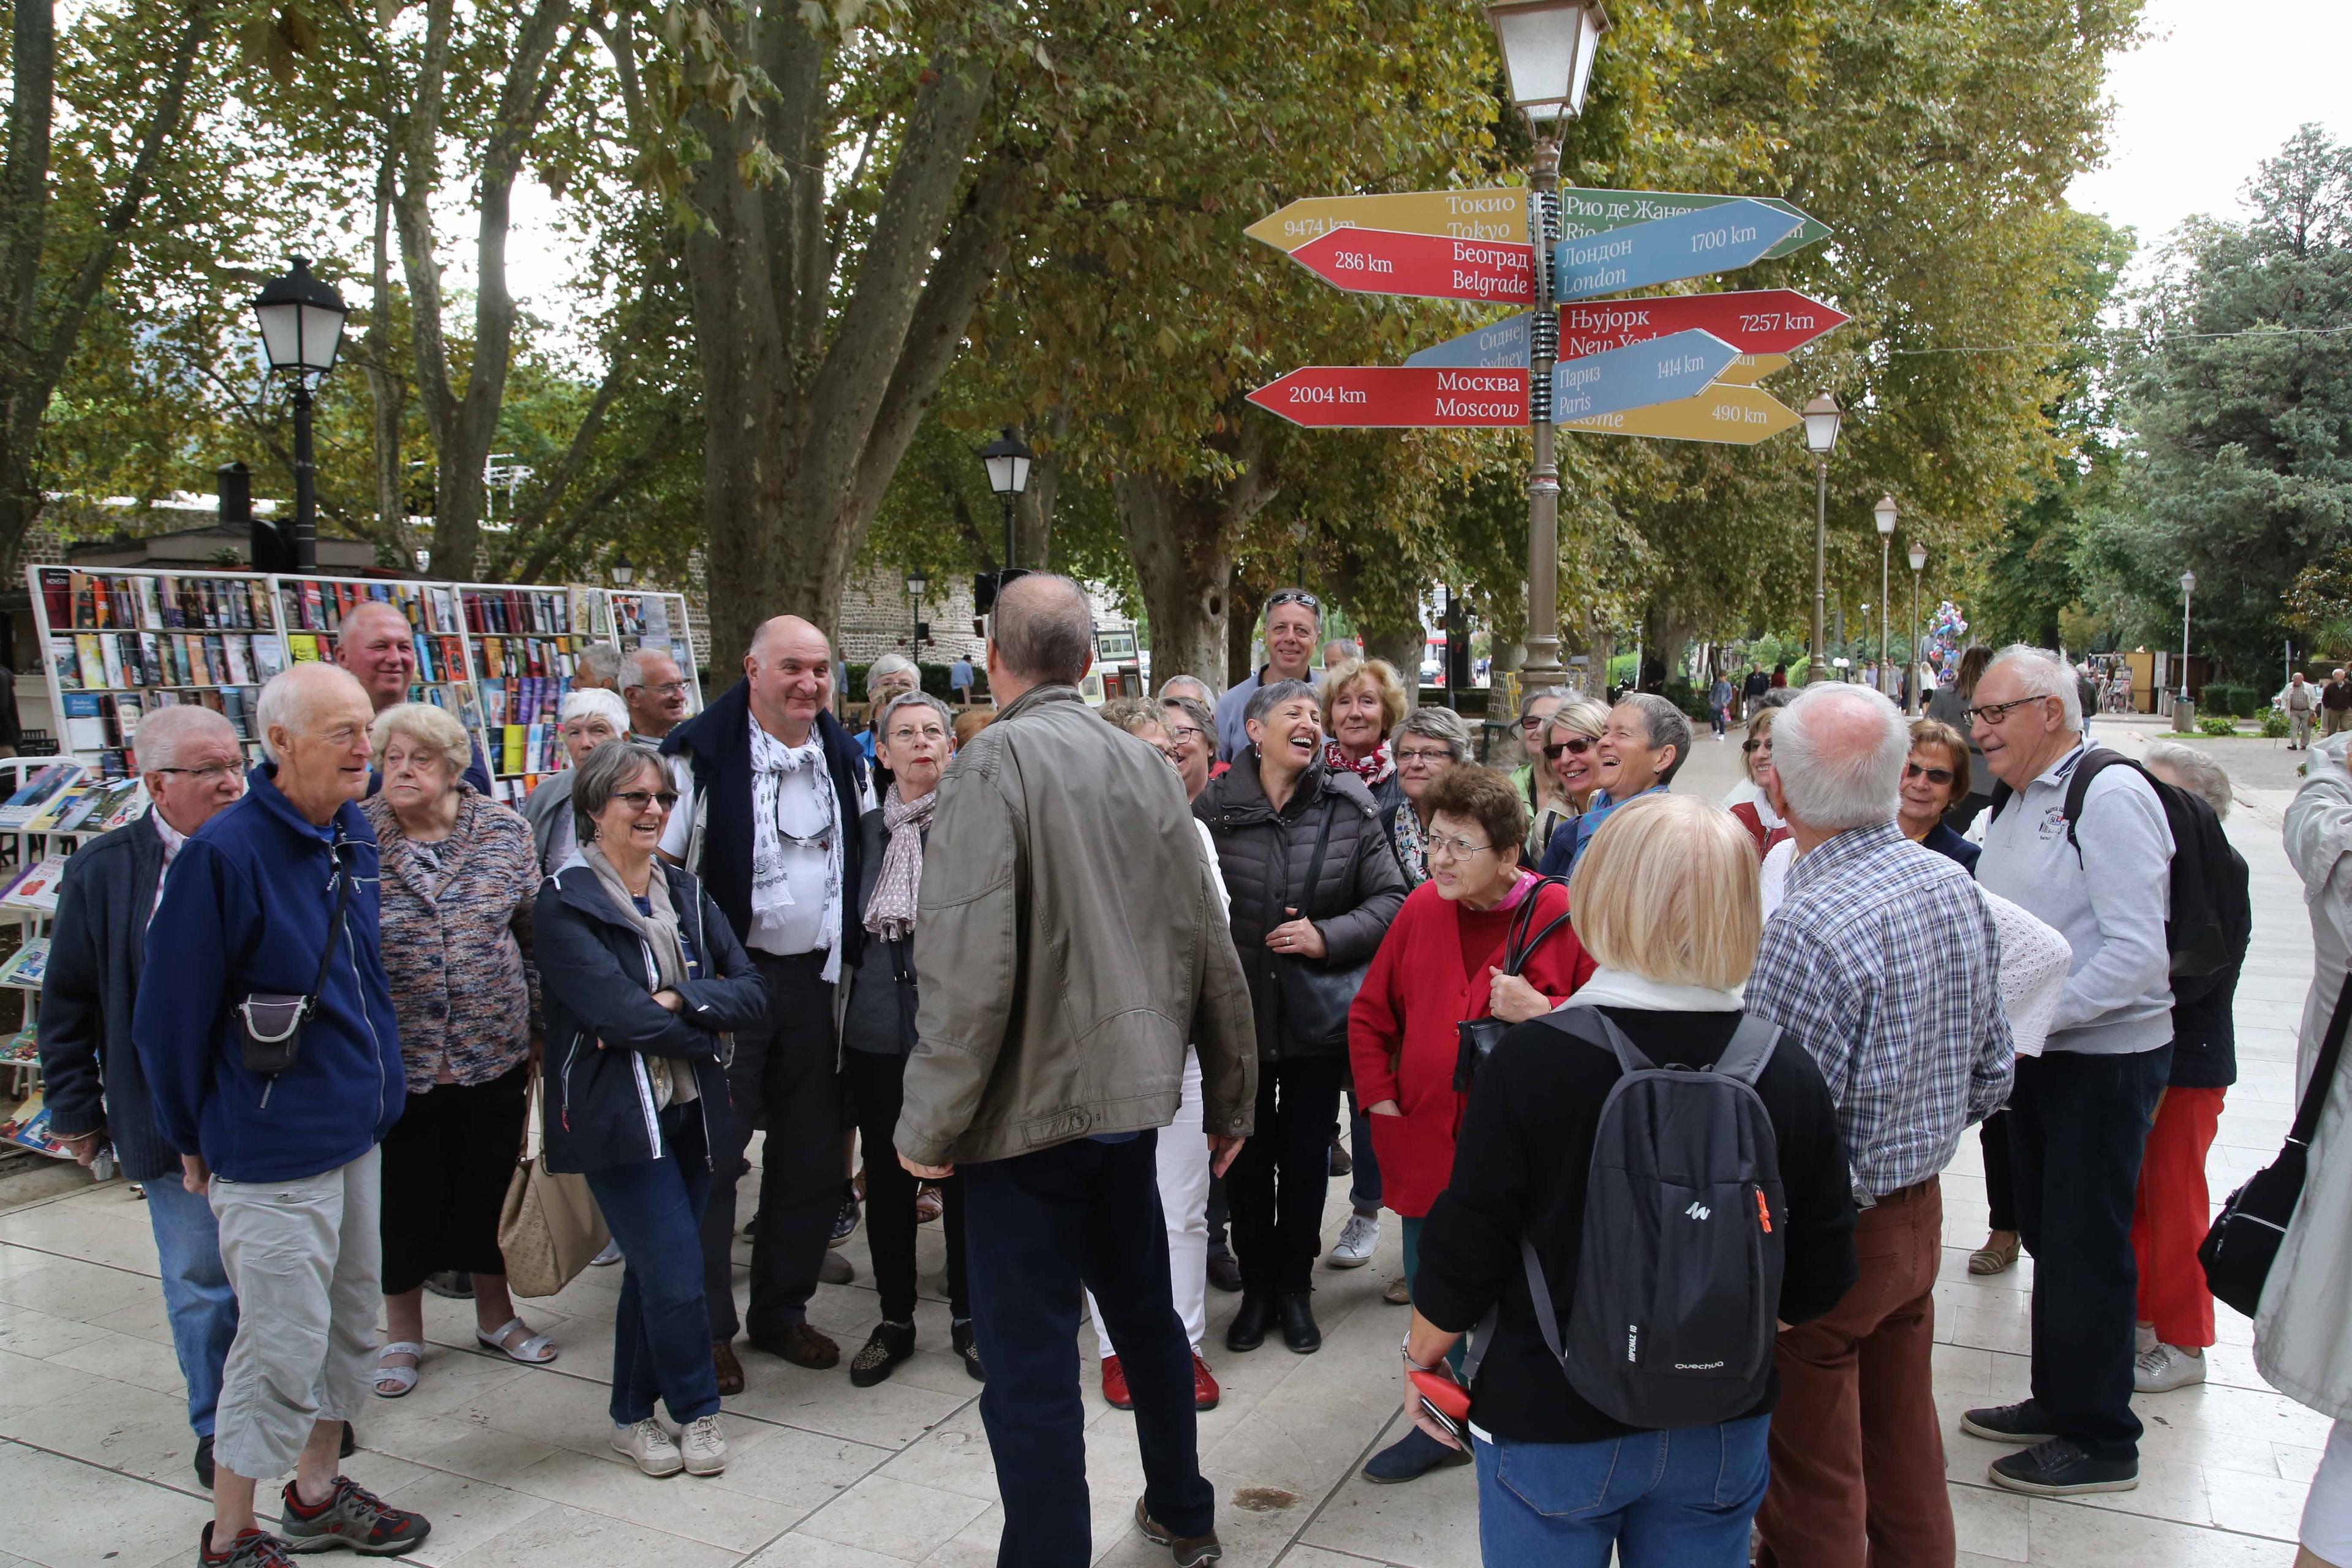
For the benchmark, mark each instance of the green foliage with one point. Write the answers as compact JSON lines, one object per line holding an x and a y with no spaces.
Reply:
{"x":2215,"y":725}
{"x":2240,"y":702}
{"x":2274,"y":724}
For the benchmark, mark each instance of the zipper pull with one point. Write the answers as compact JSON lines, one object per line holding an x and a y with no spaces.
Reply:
{"x":1763,"y":1212}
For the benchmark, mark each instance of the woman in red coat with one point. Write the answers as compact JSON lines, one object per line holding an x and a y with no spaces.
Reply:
{"x":1441,"y":962}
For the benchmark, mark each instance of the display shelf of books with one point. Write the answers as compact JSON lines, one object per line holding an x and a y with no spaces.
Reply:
{"x":118,"y":644}
{"x":312,"y":610}
{"x":656,"y":620}
{"x":524,"y":641}
{"x":46,"y":806}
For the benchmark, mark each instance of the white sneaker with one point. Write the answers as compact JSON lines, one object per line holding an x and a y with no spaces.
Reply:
{"x":1354,"y":1247}
{"x":652,"y":1449}
{"x":2143,"y":1338}
{"x":606,"y":1258}
{"x":703,"y":1447}
{"x":2166,"y":1368}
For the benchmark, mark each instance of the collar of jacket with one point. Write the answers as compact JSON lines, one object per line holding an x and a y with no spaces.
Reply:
{"x":261,"y":789}
{"x":1239,"y":797}
{"x":578,"y":886}
{"x":1038,"y":697}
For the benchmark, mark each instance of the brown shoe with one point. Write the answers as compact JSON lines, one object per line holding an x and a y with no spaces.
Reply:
{"x":730,"y":1370}
{"x":802,"y":1346}
{"x":1190,"y":1550}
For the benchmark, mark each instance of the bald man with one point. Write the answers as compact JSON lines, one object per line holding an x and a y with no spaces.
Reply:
{"x":376,"y":646}
{"x":767,"y":817}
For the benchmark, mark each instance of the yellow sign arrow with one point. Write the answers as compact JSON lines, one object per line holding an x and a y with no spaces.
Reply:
{"x":1750,"y":369}
{"x":1740,"y":415}
{"x":1499,"y":213}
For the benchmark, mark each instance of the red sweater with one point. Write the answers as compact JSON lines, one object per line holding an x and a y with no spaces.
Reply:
{"x":1401,"y":1039}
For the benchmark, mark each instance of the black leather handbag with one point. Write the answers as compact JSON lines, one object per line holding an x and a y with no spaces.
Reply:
{"x":272,"y":1024}
{"x":1315,"y":997}
{"x":2244,"y":1242}
{"x":1479,"y":1036}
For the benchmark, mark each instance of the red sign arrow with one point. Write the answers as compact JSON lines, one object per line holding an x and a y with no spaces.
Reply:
{"x":1426,"y":265}
{"x":1753,"y":320}
{"x":1396,"y":396}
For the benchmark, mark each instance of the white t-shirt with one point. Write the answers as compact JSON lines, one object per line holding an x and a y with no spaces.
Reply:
{"x":799,"y":927}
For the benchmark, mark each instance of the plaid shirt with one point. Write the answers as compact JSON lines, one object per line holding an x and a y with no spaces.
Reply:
{"x":1883,"y":962}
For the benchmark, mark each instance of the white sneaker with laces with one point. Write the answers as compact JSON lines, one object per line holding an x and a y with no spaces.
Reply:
{"x":2166,"y":1368}
{"x":2143,"y":1338}
{"x":703,"y":1447}
{"x":1357,"y":1239}
{"x":652,"y":1449}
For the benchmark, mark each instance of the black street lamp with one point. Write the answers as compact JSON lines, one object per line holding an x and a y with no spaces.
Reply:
{"x":916,"y":583}
{"x":301,"y":331}
{"x":1007,"y":462}
{"x":624,"y":571}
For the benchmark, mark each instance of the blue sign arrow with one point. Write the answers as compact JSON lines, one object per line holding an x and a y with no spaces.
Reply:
{"x":1689,"y":245}
{"x":1501,"y":346}
{"x":1657,"y":370}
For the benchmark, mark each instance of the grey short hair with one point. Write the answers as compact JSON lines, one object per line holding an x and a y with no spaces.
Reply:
{"x":594,"y":700}
{"x":1267,"y":699}
{"x":2043,"y":674}
{"x":2202,"y":774}
{"x":165,"y":734}
{"x":289,"y":695}
{"x":915,"y":700}
{"x":1832,"y":783}
{"x":1436,"y":724}
{"x":1665,"y":724}
{"x":1199,"y":687}
{"x":892,"y":664}
{"x":601,"y":662}
{"x":1194,"y":709}
{"x":436,"y":727}
{"x":603,"y":773}
{"x":1043,"y":628}
{"x":633,"y":666}
{"x":1528,"y":699}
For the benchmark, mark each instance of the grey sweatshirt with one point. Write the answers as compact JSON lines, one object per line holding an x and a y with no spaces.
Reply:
{"x":2110,"y":904}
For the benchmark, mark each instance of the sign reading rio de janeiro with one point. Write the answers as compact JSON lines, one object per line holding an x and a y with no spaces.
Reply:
{"x":1584,"y":213}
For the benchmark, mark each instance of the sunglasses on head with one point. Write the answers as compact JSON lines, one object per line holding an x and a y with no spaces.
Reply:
{"x":1575,"y":746}
{"x":1294,"y":597}
{"x":1933,"y":775}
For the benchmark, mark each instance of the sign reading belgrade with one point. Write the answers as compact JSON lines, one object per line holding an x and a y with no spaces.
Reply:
{"x":1498,"y":213}
{"x":1387,"y":396}
{"x":1382,"y":261}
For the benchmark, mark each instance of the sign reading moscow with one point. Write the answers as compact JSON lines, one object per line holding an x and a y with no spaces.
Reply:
{"x":1396,"y":396}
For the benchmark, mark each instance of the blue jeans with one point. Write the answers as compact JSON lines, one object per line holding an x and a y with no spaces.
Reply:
{"x":197,"y":1294}
{"x":1364,"y":1191}
{"x":1412,"y":1226}
{"x":1661,"y":1500}
{"x":2078,"y":1125}
{"x":661,"y":1334}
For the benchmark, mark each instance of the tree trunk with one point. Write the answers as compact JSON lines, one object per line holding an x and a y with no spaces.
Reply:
{"x":1241,"y":645}
{"x":1400,"y":643}
{"x":1184,"y":560}
{"x":384,"y":386}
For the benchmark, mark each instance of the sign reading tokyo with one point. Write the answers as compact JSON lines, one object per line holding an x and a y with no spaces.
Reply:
{"x":1691,"y":245}
{"x":1390,"y":397}
{"x":1584,"y":213}
{"x":1496,"y":212}
{"x":1381,"y":261}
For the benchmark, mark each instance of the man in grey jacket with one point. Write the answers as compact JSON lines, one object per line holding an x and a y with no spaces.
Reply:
{"x":1070,"y":943}
{"x":2081,"y":1110}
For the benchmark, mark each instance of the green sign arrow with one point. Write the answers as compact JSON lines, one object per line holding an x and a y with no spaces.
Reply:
{"x":1584,"y":213}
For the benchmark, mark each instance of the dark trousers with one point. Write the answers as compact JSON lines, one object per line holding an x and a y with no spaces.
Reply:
{"x":783,"y":1081}
{"x":1217,"y":1217}
{"x":2078,"y":1125}
{"x":1040,"y":1225}
{"x":1364,"y":1190}
{"x":877,"y":1088}
{"x":2001,"y":1171}
{"x":660,"y":1345}
{"x":446,"y":1164}
{"x":1964,"y":811}
{"x":1276,"y":1186}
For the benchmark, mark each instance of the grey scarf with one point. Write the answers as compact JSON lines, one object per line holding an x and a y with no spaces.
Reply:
{"x":661,"y":933}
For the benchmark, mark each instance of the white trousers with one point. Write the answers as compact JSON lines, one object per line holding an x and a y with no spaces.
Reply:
{"x":2327,"y":1512}
{"x":1185,"y":1200}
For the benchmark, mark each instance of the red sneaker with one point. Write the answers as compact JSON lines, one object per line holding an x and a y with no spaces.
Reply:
{"x":1115,"y":1392}
{"x":1205,"y":1392}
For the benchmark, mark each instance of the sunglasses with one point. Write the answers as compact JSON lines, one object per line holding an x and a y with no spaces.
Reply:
{"x":1575,"y":746}
{"x":1755,"y":745}
{"x":1938,"y":776}
{"x":1294,"y":597}
{"x":638,"y":799}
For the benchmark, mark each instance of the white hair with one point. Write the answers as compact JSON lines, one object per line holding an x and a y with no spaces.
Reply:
{"x":633,"y":666}
{"x":1849,"y":775}
{"x":891,"y":664}
{"x":289,"y":698}
{"x":375,"y":608}
{"x":422,"y":722}
{"x":596,"y":699}
{"x":2198,"y":772}
{"x":2041,"y":672}
{"x":165,"y":734}
{"x":601,"y":661}
{"x":1195,"y":687}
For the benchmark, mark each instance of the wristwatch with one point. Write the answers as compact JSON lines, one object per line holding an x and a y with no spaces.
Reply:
{"x":1405,"y":1349}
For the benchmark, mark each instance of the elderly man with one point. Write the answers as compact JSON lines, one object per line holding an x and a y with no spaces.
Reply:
{"x":97,"y":1093}
{"x":1071,"y":941}
{"x":597,"y":669}
{"x":655,"y":692}
{"x":2080,"y":1114}
{"x":1644,"y":744}
{"x":377,"y":647}
{"x":1191,"y":686}
{"x":264,"y":1024}
{"x":766,"y":816}
{"x":1338,"y":651}
{"x":1292,"y":616}
{"x":2334,"y":703}
{"x":2300,"y":702}
{"x":1882,"y":962}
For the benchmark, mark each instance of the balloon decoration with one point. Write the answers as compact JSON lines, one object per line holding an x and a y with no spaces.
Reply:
{"x":1946,"y":635}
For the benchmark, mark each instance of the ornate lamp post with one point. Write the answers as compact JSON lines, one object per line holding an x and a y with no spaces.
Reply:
{"x":2188,"y":588}
{"x":1911,"y":694}
{"x":916,"y":583}
{"x":1883,"y":512}
{"x":302,"y":322}
{"x":1007,"y":461}
{"x":1822,"y":416}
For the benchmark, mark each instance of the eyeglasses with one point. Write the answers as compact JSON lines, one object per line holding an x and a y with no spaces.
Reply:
{"x":1294,"y":597}
{"x":1761,"y":743}
{"x":1937,"y":776}
{"x":639,"y":799}
{"x":667,"y":688}
{"x":1575,"y":746}
{"x":1183,"y":733}
{"x":1997,"y":713}
{"x":904,"y":735}
{"x":1429,"y":759}
{"x":1175,"y":755}
{"x":211,"y":772}
{"x":1454,"y":849}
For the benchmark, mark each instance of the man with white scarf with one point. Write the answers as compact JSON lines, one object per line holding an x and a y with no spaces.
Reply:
{"x":767,"y":817}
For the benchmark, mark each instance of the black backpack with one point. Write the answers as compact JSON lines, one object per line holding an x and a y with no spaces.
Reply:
{"x":1678,"y":1284}
{"x":2207,"y":928}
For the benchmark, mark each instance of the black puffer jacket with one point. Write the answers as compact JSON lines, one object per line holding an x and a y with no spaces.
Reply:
{"x":1266,"y":856}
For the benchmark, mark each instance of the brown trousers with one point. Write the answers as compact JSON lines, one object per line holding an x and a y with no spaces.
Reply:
{"x":1857,"y":1451}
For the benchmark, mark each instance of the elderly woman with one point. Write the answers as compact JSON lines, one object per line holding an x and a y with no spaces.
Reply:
{"x":1754,"y":807}
{"x":891,"y":675}
{"x":1936,"y":777}
{"x":1315,"y":883}
{"x":1191,"y":728}
{"x":878,"y":1031}
{"x":1363,"y":700}
{"x":1949,"y":704}
{"x":1665,"y":903}
{"x":589,"y":718}
{"x":1429,"y":741}
{"x":1481,"y":939}
{"x":643,"y":983}
{"x":456,"y":890}
{"x":1565,"y":768}
{"x":1533,"y":778}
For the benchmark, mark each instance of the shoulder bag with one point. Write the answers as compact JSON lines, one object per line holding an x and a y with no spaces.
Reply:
{"x":272,"y":1024}
{"x":550,"y":1225}
{"x":1479,"y":1036}
{"x":1315,"y":997}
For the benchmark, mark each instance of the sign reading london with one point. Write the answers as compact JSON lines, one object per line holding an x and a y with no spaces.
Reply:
{"x":1370,"y":397}
{"x":1689,"y":245}
{"x":1498,"y":213}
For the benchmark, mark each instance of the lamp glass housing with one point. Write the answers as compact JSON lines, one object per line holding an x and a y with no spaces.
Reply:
{"x":1547,"y":48}
{"x":1822,"y":416}
{"x":302,"y":321}
{"x":624,"y":571}
{"x":1007,"y":462}
{"x":1885,"y":512}
{"x":2189,"y":582}
{"x":1918,"y":558}
{"x":916,"y":583}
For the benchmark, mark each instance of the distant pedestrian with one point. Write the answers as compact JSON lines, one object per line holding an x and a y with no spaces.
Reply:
{"x":2335,"y":703}
{"x":1779,"y":677}
{"x":2298,"y":700}
{"x":1718,"y":704}
{"x":960,"y":678}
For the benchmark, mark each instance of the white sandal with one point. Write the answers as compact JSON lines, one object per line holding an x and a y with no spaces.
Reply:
{"x":402,"y":1378}
{"x":536,"y":1349}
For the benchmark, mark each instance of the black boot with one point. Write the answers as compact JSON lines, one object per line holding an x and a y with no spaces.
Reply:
{"x":1299,"y":1330}
{"x":889,"y":1344}
{"x":1247,"y":1331}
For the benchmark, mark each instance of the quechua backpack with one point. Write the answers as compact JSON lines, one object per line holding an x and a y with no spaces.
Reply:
{"x":1678,"y":1285}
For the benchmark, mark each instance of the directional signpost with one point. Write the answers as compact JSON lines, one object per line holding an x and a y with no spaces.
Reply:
{"x":1739,"y":416}
{"x":1584,"y":213}
{"x":1690,"y":245}
{"x":1757,"y":322}
{"x":1661,"y":370}
{"x":1750,"y":369}
{"x":1426,"y":265}
{"x":1498,"y":213}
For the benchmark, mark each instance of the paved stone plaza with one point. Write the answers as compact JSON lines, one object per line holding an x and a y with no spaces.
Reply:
{"x":511,"y":1465}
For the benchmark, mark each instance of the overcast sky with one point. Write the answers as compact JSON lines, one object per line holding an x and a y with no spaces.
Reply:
{"x":2216,"y":90}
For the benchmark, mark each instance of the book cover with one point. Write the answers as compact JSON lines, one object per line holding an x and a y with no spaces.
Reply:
{"x":127,"y":804}
{"x":56,"y":596}
{"x":37,"y":889}
{"x":510,"y":750}
{"x":85,"y":722}
{"x":129,"y":709}
{"x":50,"y":818}
{"x":28,"y":965}
{"x":66,"y":662}
{"x":268,"y":659}
{"x":150,"y":607}
{"x":110,"y":662}
{"x":217,"y":657}
{"x":150,"y":659}
{"x":28,"y":1126}
{"x":240,"y":666}
{"x":304,"y":645}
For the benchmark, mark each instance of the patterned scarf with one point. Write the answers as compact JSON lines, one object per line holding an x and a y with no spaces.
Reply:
{"x":1376,"y":767}
{"x":771,"y":762}
{"x":890,"y":913}
{"x":1411,"y":846}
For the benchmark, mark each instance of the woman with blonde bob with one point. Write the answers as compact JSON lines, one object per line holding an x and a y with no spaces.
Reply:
{"x":1665,"y":902}
{"x":1363,"y":702}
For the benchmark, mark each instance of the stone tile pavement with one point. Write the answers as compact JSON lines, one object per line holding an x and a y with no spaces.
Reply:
{"x":511,"y":1462}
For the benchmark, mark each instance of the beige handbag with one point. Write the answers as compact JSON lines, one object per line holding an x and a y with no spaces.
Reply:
{"x":549,"y":1227}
